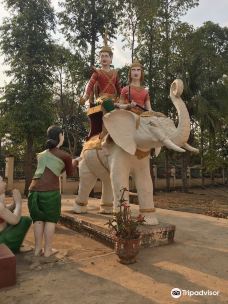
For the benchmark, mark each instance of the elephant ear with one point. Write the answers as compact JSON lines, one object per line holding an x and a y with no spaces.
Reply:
{"x":121,"y":125}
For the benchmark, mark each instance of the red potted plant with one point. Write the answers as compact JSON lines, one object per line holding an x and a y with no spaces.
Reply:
{"x":126,"y":232}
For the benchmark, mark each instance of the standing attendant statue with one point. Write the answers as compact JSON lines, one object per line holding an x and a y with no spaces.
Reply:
{"x":44,"y":200}
{"x":13,"y":226}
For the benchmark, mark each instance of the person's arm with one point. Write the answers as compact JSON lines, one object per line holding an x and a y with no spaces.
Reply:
{"x":147,"y":103}
{"x":122,"y":100}
{"x":75,"y":162}
{"x":89,"y":87}
{"x":11,"y":218}
{"x":126,"y":106}
{"x":123,"y":96}
{"x":70,"y":165}
{"x":18,"y":202}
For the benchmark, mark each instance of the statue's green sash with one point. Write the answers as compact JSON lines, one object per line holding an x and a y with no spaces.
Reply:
{"x":49,"y":160}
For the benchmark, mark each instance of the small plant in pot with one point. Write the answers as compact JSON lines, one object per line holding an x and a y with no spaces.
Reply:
{"x":126,"y":232}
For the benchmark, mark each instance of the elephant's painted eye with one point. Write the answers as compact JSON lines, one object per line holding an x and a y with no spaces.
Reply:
{"x":152,"y":124}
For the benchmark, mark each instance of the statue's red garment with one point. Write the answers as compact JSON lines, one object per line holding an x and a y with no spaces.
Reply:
{"x":137,"y":94}
{"x":107,"y":83}
{"x":103,"y":84}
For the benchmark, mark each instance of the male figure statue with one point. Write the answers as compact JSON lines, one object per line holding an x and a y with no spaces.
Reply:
{"x":105,"y":81}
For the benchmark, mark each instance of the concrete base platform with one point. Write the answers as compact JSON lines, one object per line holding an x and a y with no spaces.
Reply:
{"x":94,"y":225}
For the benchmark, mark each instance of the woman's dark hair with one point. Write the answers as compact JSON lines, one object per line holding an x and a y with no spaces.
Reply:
{"x":53,"y":136}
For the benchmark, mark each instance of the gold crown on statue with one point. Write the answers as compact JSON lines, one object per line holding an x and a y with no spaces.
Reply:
{"x":136,"y":63}
{"x":106,"y":47}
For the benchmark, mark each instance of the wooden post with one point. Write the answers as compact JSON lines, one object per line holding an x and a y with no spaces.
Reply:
{"x":9,"y":172}
{"x":63,"y":181}
{"x":155,"y":172}
{"x":173,"y":175}
{"x":223,"y":176}
{"x":189,"y":175}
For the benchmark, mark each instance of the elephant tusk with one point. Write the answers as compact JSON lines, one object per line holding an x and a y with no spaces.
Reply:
{"x":190,"y":148}
{"x":157,"y":151}
{"x":170,"y":145}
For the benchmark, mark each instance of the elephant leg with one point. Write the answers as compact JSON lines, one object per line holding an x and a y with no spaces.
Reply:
{"x":144,"y":188}
{"x":107,"y":196}
{"x":86,"y":184}
{"x":119,"y":173}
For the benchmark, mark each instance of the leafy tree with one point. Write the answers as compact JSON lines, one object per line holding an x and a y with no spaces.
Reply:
{"x":26,"y":44}
{"x":208,"y":66}
{"x":156,"y":49}
{"x":133,"y":17}
{"x":84,"y":22}
{"x":69,"y":79}
{"x":123,"y":75}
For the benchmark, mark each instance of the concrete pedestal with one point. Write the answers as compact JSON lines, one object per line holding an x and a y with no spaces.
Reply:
{"x":94,"y":225}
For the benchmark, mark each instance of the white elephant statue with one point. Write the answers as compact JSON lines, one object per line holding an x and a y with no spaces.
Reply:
{"x":127,"y":153}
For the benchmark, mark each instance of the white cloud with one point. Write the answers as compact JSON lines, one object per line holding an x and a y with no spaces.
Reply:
{"x":215,"y":11}
{"x":120,"y":57}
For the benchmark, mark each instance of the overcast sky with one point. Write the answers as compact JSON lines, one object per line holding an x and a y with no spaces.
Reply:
{"x":214,"y":10}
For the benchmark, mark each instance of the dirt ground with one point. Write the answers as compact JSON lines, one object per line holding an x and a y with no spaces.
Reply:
{"x":87,"y":271}
{"x":212,"y":201}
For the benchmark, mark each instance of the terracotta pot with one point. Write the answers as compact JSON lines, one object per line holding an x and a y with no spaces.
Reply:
{"x":127,"y":250}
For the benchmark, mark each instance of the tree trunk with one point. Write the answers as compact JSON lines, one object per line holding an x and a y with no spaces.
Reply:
{"x":167,"y":55}
{"x":93,"y":34}
{"x":202,"y":158}
{"x":184,"y":172}
{"x":133,"y":46}
{"x":28,"y":163}
{"x":167,"y":170}
{"x":92,"y":54}
{"x":150,"y":72}
{"x":212,"y":148}
{"x":212,"y":177}
{"x":152,"y":175}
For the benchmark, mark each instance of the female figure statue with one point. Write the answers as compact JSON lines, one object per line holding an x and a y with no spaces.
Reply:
{"x":44,"y":200}
{"x":135,"y":95}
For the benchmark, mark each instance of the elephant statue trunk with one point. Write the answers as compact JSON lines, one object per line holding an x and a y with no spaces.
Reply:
{"x":183,"y":130}
{"x":180,"y":137}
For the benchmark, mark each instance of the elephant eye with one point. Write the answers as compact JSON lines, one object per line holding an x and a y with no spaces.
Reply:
{"x":152,"y":124}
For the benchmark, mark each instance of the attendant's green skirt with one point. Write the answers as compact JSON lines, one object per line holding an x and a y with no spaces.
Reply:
{"x":44,"y":206}
{"x":14,"y":235}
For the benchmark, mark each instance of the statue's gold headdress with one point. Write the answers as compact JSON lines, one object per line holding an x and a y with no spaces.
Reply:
{"x":106,"y":47}
{"x":136,"y":63}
